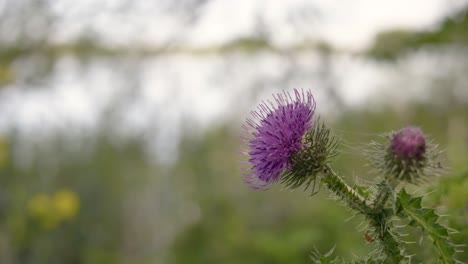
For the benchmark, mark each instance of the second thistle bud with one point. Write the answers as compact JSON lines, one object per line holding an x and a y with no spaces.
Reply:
{"x":408,"y":144}
{"x":408,"y":156}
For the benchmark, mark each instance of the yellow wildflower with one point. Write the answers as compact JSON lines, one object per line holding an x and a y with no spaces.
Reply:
{"x":66,"y":204}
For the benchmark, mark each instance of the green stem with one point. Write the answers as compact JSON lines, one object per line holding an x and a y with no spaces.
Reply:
{"x":345,"y":192}
{"x":391,"y":247}
{"x":381,"y":221}
{"x":376,"y":215}
{"x":385,"y":190}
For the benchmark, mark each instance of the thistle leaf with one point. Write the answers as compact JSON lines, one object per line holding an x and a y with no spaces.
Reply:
{"x":426,"y":219}
{"x":320,"y":258}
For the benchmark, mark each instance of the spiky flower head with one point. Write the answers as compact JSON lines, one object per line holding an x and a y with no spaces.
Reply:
{"x":281,"y":140}
{"x":275,"y":133}
{"x":407,"y":155}
{"x":409,"y":144}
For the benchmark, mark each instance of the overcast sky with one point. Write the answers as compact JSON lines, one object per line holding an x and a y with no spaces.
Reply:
{"x":343,"y":23}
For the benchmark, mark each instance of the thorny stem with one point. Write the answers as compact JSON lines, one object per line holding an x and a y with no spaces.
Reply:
{"x":381,"y":221}
{"x":390,"y":245}
{"x":375,"y":213}
{"x":345,"y":192}
{"x":385,"y":190}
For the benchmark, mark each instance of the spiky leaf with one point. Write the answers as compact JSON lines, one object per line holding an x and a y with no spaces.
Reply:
{"x":426,"y":219}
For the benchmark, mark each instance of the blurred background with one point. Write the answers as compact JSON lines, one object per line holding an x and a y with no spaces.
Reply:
{"x":120,"y":122}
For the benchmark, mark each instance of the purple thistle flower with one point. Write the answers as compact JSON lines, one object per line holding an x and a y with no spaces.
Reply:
{"x":409,"y":143}
{"x":275,"y":133}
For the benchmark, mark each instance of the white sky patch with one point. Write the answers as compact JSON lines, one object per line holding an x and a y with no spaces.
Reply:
{"x":348,"y":24}
{"x":224,"y":21}
{"x":362,"y":79}
{"x":343,"y":23}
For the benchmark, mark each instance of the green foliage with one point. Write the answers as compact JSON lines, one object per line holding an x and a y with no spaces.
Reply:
{"x":452,"y":195}
{"x":426,"y":219}
{"x":40,"y":221}
{"x":390,"y":44}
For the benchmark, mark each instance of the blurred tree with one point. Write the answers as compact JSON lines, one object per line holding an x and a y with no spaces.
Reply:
{"x":451,"y":31}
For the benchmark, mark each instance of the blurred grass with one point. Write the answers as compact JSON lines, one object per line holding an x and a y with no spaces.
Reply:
{"x":232,"y":223}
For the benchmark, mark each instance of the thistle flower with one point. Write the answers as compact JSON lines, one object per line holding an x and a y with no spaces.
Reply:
{"x":409,"y":144}
{"x":407,"y":156}
{"x":275,"y":134}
